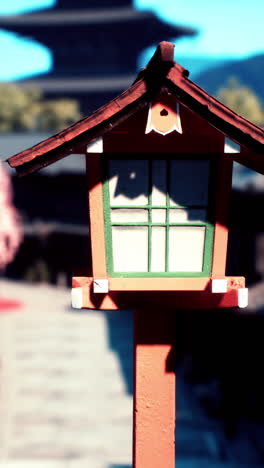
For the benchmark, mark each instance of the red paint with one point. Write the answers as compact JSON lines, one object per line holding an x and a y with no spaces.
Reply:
{"x":96,"y":213}
{"x":9,"y":305}
{"x":223,"y":193}
{"x":250,"y":159}
{"x":157,"y":75}
{"x":154,"y":390}
{"x":216,"y":113}
{"x":133,"y":297}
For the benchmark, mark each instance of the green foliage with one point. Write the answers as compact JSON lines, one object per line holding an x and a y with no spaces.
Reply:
{"x":58,"y":114}
{"x":242,"y":100}
{"x":25,"y":109}
{"x":38,"y":272}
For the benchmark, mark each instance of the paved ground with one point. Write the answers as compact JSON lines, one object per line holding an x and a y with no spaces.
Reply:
{"x":66,"y":392}
{"x":63,"y":399}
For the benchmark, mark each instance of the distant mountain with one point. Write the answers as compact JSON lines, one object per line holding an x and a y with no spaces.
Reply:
{"x":249,"y":71}
{"x":199,"y":65}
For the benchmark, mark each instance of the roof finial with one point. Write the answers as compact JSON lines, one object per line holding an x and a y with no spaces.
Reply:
{"x":164,"y":53}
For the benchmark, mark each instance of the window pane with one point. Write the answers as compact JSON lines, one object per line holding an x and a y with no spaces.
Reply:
{"x":186,"y":248}
{"x":123,"y":215}
{"x":130,"y":248}
{"x":159,"y":182}
{"x":187,"y":216}
{"x":128,"y":182}
{"x":158,"y":216}
{"x":158,"y":250}
{"x":189,"y":182}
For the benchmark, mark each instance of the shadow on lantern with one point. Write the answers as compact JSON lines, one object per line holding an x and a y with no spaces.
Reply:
{"x":220,"y":409}
{"x":219,"y":400}
{"x":158,"y":216}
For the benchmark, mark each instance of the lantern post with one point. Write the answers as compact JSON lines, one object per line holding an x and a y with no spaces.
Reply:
{"x":159,"y":185}
{"x":154,"y":389}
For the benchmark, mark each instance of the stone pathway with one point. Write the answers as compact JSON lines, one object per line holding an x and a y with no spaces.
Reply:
{"x":63,"y":399}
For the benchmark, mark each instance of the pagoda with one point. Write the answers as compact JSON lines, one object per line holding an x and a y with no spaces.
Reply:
{"x":95,"y":46}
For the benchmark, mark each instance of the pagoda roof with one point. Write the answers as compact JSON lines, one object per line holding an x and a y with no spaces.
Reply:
{"x":77,"y":85}
{"x":84,"y":16}
{"x":73,"y":4}
{"x":162,"y":71}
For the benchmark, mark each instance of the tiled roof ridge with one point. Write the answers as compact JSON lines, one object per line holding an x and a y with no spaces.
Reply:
{"x":162,"y":70}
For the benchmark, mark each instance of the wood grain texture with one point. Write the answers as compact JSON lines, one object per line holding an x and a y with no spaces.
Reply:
{"x":223,"y":194}
{"x":96,"y":212}
{"x":154,"y":389}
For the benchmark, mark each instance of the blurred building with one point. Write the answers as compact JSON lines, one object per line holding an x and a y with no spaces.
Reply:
{"x":95,"y":46}
{"x":53,"y":206}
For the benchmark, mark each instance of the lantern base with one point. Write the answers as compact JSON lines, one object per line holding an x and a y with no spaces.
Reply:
{"x":172,"y":293}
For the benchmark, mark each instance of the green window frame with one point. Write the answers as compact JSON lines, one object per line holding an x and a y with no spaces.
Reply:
{"x":208,"y":224}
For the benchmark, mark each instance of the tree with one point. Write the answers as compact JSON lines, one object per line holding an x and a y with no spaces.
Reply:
{"x":25,"y":109}
{"x":58,"y":114}
{"x":242,"y":100}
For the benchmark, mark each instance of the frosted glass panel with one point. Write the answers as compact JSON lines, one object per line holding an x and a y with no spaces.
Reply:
{"x":158,"y":182}
{"x":158,"y":249}
{"x":158,"y":216}
{"x":123,"y":215}
{"x":186,"y":248}
{"x":185,"y":216}
{"x":130,"y":248}
{"x":189,"y":182}
{"x":128,"y":182}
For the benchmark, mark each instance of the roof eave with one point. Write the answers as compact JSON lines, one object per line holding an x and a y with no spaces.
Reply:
{"x":92,"y":126}
{"x":104,"y":119}
{"x":161,"y":71}
{"x":217,"y":114}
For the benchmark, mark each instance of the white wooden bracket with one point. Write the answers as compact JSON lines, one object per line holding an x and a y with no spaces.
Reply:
{"x":242,"y":298}
{"x":100,"y":286}
{"x":219,"y":285}
{"x":76,"y":297}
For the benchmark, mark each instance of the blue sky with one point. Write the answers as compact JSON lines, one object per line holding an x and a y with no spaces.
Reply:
{"x":228,"y":29}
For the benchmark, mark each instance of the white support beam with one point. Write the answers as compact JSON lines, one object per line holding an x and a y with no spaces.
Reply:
{"x":101,"y":286}
{"x":243,"y":298}
{"x":76,"y":296}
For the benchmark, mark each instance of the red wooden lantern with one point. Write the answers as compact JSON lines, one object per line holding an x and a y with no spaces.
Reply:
{"x":159,"y":182}
{"x":159,"y":185}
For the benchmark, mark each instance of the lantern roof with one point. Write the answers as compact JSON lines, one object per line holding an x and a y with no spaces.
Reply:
{"x":161,"y":72}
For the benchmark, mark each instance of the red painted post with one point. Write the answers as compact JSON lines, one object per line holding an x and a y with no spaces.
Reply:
{"x":154,"y":389}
